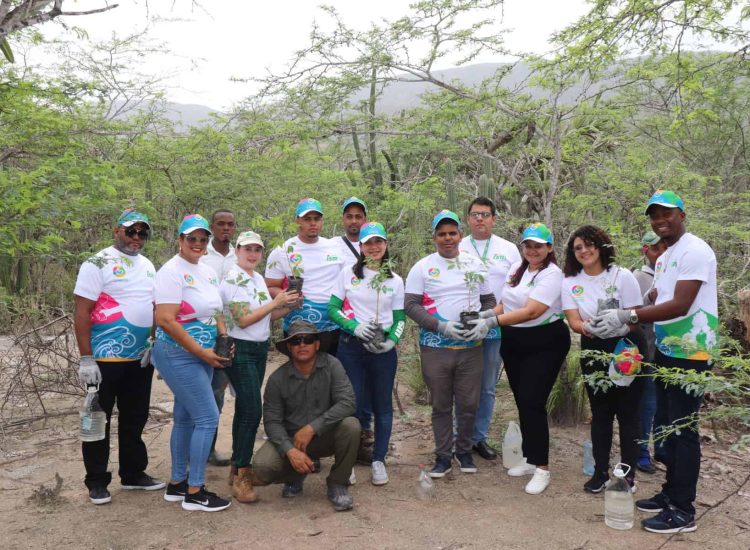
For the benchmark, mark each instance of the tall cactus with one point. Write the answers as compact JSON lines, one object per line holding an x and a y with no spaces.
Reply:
{"x":487,"y":168}
{"x":450,"y":186}
{"x":487,"y":187}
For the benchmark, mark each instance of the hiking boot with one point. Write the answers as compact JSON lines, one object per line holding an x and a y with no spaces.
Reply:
{"x":204,"y":501}
{"x":176,"y":491}
{"x":99,"y":495}
{"x":655,"y":504}
{"x":215,"y":458}
{"x":442,"y":466}
{"x":670,"y":520}
{"x":255,"y":480}
{"x":232,"y":474}
{"x":340,"y":497}
{"x":242,"y":488}
{"x":143,"y":482}
{"x":466,"y":463}
{"x":597,"y":483}
{"x":379,"y":473}
{"x":292,"y":489}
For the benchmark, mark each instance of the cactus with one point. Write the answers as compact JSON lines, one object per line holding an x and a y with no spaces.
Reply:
{"x":450,"y":186}
{"x":487,"y":168}
{"x":487,"y":187}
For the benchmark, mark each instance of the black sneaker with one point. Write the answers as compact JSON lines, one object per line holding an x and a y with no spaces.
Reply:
{"x":597,"y":483}
{"x":655,"y":504}
{"x":99,"y":495}
{"x":442,"y":466}
{"x":484,"y":450}
{"x":176,"y":491}
{"x":340,"y":497}
{"x":466,"y":462}
{"x":670,"y":520}
{"x":204,"y":501}
{"x":292,"y":489}
{"x":143,"y":482}
{"x":644,"y":464}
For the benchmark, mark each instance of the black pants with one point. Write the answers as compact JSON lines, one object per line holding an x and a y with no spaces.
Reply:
{"x":622,"y":402}
{"x":683,"y":448}
{"x":128,"y":385}
{"x":533,"y":357}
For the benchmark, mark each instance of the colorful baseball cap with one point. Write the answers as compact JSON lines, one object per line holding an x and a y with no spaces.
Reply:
{"x":668,"y":199}
{"x":445,"y":215}
{"x":191,"y":222}
{"x":308,"y":205}
{"x":370,"y":230}
{"x":249,"y":237}
{"x":538,"y":233}
{"x":650,"y":239}
{"x":131,"y":217}
{"x":353,"y":200}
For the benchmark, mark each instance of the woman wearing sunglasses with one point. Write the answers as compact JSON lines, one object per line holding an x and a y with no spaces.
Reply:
{"x":251,"y":310}
{"x":188,"y":317}
{"x":366,"y":299}
{"x":593,"y":283}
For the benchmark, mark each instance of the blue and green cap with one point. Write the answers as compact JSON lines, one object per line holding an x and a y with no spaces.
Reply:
{"x":192,"y":222}
{"x":353,"y":200}
{"x":445,"y":215}
{"x":650,"y":239}
{"x":668,"y":199}
{"x":370,"y":230}
{"x":538,"y":233}
{"x":308,"y":205}
{"x":131,"y":217}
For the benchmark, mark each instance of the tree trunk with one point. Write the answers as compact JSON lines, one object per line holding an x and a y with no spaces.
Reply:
{"x":744,"y":300}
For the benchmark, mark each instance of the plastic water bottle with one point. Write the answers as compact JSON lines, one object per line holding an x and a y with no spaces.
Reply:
{"x":93,"y":418}
{"x":618,"y":501}
{"x":425,"y":485}
{"x":512,"y":451}
{"x":588,"y":458}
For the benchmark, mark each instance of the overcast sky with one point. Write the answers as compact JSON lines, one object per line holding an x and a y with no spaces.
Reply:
{"x":233,"y":38}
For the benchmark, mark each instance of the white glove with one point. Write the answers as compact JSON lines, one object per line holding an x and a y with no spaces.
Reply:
{"x":146,"y":359}
{"x":487,"y":313}
{"x":453,"y":330}
{"x":385,"y":346}
{"x":372,"y":348}
{"x":481,"y":328}
{"x":364,"y":332}
{"x":610,"y":323}
{"x":88,"y":371}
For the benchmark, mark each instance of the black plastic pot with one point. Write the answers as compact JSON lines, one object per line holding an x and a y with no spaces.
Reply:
{"x":222,"y":348}
{"x":467,"y":316}
{"x":295,"y":285}
{"x":379,"y":337}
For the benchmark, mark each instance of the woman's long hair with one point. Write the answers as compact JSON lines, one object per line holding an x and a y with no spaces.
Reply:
{"x":518,"y":274}
{"x":359,"y":267}
{"x":592,"y":236}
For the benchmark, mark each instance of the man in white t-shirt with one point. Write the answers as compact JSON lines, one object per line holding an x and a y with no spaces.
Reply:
{"x":316,"y":260}
{"x":497,"y":255}
{"x":220,"y":257}
{"x":686,"y":323}
{"x":114,"y":317}
{"x":353,"y":217}
{"x":438,"y":289}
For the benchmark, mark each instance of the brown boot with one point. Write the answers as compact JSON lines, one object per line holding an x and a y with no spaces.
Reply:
{"x":232,"y":474}
{"x":242,"y":488}
{"x":255,"y":480}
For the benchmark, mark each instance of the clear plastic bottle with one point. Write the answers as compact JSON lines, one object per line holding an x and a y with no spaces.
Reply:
{"x":619,"y":511}
{"x":512,"y":451}
{"x":425,"y":485}
{"x":93,"y":418}
{"x":588,"y":458}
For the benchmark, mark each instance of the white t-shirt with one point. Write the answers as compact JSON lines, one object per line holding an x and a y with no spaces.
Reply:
{"x":583,"y":292}
{"x":123,"y":288}
{"x":238,"y":286}
{"x":321,"y":264}
{"x":440,"y":282}
{"x":689,"y":259}
{"x":542,"y":286}
{"x":347,"y":256}
{"x":360,"y":299}
{"x":196,"y":288}
{"x":218,"y":262}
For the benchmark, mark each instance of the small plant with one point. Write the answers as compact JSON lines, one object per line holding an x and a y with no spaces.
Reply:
{"x":377,"y":284}
{"x":472,"y":280}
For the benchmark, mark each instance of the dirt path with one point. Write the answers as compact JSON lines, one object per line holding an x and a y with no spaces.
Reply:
{"x":483,"y":510}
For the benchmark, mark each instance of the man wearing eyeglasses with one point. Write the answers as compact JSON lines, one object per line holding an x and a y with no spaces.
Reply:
{"x":114,"y":315}
{"x":308,"y":409}
{"x":497,"y":255}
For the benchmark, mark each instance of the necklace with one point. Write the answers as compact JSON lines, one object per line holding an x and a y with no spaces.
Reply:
{"x":483,"y":255}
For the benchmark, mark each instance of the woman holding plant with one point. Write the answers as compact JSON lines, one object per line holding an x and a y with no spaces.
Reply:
{"x":251,"y":310}
{"x":368,"y":304}
{"x":593,"y":283}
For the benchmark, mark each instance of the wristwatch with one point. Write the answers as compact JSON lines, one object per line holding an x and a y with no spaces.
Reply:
{"x":633,"y":318}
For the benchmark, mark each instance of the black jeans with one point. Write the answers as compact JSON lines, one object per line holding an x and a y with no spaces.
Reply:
{"x":622,"y":402}
{"x":128,"y":385}
{"x":533,"y":357}
{"x":683,"y":448}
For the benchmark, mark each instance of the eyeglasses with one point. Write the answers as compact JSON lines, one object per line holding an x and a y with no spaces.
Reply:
{"x":584,"y":246}
{"x":307,"y":339}
{"x":478,"y":215}
{"x":142,"y":233}
{"x":194,"y":239}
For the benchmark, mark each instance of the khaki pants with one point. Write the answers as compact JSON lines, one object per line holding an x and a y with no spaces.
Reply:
{"x":342,"y":442}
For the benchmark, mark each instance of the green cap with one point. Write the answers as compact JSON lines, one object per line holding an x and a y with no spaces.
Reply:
{"x":650,"y":239}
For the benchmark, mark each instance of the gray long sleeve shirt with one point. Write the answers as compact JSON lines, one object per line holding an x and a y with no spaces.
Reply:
{"x":292,"y":401}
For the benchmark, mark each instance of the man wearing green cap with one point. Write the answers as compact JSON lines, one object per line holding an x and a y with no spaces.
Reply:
{"x":686,"y":323}
{"x":114,"y":315}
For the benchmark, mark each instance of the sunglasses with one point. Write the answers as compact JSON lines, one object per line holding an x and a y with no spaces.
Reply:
{"x":194,"y":239}
{"x":307,"y":339}
{"x":477,"y":215}
{"x":142,"y":233}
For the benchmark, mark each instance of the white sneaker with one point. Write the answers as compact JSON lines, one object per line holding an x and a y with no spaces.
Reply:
{"x":538,"y":483}
{"x":352,"y":479}
{"x":379,"y":475}
{"x":524,"y":469}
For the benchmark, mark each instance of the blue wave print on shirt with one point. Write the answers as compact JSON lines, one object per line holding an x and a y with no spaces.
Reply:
{"x":202,"y":333}
{"x":118,"y":340}
{"x":313,"y":312}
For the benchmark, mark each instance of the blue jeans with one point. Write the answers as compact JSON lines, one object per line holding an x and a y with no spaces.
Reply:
{"x":648,"y":411}
{"x":490,"y":374}
{"x":371,"y":374}
{"x":195,"y":412}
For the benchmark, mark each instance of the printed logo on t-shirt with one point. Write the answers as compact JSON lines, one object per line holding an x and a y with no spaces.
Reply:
{"x":151,"y":274}
{"x":118,"y":271}
{"x":499,"y":257}
{"x":295,"y":258}
{"x":658,"y":267}
{"x":213,"y":281}
{"x":332,"y":258}
{"x":433,"y":272}
{"x":189,"y":279}
{"x":356,"y":281}
{"x":577,"y":292}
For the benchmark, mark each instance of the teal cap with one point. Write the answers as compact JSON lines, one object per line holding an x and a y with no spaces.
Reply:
{"x":650,"y":239}
{"x":668,"y":199}
{"x":445,"y":215}
{"x":354,"y":200}
{"x":308,"y":205}
{"x":370,"y":230}
{"x":538,"y":233}
{"x":191,"y":222}
{"x":131,"y":217}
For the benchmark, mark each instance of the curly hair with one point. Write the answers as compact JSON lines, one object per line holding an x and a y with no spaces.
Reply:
{"x":592,"y":236}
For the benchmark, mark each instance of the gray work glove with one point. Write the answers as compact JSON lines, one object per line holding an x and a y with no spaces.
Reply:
{"x":88,"y":371}
{"x":385,"y":346}
{"x":371,"y":347}
{"x":364,"y":332}
{"x":487,"y":313}
{"x":610,"y":323}
{"x":453,"y":330}
{"x":481,"y":328}
{"x":146,"y":359}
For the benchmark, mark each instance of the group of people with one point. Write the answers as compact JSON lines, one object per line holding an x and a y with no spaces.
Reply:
{"x":479,"y":303}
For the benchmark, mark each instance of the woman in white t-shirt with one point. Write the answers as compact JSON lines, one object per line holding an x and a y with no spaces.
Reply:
{"x":189,"y":318}
{"x":251,"y":311}
{"x":593,"y":283}
{"x":366,"y":299}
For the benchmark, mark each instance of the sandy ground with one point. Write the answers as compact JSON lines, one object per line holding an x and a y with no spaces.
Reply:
{"x":483,"y":510}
